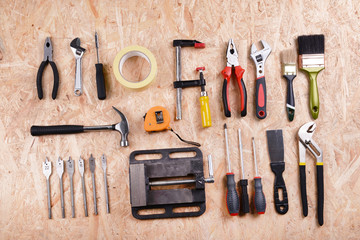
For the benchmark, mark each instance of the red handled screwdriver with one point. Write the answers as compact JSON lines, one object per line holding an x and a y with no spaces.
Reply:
{"x":232,"y":197}
{"x":259,"y":198}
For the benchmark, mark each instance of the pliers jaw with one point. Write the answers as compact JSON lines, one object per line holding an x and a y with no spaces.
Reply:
{"x":48,"y":50}
{"x":306,"y":142}
{"x":232,"y":55}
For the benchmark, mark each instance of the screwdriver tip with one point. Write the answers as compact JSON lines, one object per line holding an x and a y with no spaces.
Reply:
{"x":225,"y":126}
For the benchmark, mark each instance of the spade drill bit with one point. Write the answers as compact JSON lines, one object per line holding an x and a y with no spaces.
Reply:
{"x":60,"y":171}
{"x":103,"y":165}
{"x":92,"y":169}
{"x":70,"y":170}
{"x":47,"y":173}
{"x":81,"y":170}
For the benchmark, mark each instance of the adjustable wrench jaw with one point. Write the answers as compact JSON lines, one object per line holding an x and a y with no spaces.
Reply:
{"x":76,"y":49}
{"x":259,"y":57}
{"x":306,"y":142}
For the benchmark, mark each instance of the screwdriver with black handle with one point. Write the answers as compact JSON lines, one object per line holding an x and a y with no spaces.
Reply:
{"x":232,"y":197}
{"x":244,"y":205}
{"x":100,"y":80}
{"x":259,"y":198}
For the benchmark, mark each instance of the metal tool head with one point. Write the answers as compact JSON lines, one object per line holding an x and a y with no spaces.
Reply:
{"x":76,"y":49}
{"x":92,"y":163}
{"x":306,"y":142}
{"x":47,"y":168}
{"x":103,"y":162}
{"x":123,"y":128}
{"x":81,"y":166}
{"x":48,"y":50}
{"x":60,"y":167}
{"x":260,"y":55}
{"x":70,"y":167}
{"x":306,"y":132}
{"x":275,"y":145}
{"x":232,"y":54}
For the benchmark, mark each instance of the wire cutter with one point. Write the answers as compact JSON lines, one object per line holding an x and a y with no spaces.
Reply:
{"x":306,"y":142}
{"x":48,"y":51}
{"x":232,"y":61}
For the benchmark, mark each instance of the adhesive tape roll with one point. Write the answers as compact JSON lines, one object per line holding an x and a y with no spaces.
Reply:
{"x":134,"y":51}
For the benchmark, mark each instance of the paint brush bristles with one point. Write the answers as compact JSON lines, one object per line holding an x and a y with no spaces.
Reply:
{"x":288,"y":59}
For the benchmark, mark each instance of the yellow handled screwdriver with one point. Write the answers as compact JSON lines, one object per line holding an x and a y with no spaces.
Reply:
{"x":204,"y":101}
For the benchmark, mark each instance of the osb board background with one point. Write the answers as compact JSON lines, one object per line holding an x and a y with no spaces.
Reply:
{"x":154,"y":24}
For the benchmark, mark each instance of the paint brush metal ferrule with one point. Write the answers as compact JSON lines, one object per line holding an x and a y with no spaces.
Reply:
{"x":289,"y":69}
{"x":311,"y":60}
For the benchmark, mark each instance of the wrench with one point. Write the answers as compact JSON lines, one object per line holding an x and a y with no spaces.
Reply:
{"x":259,"y":57}
{"x":78,"y":53}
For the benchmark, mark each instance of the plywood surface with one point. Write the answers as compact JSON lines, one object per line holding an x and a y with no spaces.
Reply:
{"x":154,"y":24}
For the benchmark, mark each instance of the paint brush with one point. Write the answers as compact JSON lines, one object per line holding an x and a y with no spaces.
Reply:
{"x":288,"y":59}
{"x":312,"y":61}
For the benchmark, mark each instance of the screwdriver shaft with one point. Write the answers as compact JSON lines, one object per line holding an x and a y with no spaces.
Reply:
{"x":227,"y":149}
{"x":84,"y":195}
{"x":97,"y":46}
{"x":72,"y":197}
{"x":62,"y":198}
{"x":49,"y":198}
{"x":241,"y":155}
{"x":94,"y":193}
{"x":256,"y":169}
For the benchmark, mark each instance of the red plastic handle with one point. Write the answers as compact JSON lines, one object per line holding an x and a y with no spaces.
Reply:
{"x":239,"y":72}
{"x":225,"y":91}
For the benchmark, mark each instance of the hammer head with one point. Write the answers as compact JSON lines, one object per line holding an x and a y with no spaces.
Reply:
{"x":123,"y":128}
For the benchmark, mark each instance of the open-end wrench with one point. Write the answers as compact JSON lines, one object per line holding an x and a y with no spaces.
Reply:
{"x":103,"y":165}
{"x":92,"y":170}
{"x":60,"y":171}
{"x":78,"y":53}
{"x":121,"y":127}
{"x":70,"y":170}
{"x":47,"y":173}
{"x":259,"y":57}
{"x":81,"y":171}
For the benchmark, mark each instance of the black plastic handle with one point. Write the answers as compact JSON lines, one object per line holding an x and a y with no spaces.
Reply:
{"x":303,"y":190}
{"x":290,"y":100}
{"x":100,"y":81}
{"x":281,"y":206}
{"x":39,"y":79}
{"x":225,"y":98}
{"x":59,"y":129}
{"x":259,"y":198}
{"x":243,"y":96}
{"x":260,"y":98}
{"x":320,"y":186}
{"x":245,"y":208}
{"x":232,"y":198}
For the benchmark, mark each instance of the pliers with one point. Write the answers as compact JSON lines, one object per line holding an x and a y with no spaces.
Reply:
{"x":48,"y":51}
{"x":306,"y":142}
{"x":232,"y":61}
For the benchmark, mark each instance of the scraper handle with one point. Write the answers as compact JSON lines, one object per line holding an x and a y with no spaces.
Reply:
{"x":281,"y":206}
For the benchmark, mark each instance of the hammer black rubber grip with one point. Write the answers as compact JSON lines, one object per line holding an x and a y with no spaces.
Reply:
{"x":59,"y":129}
{"x":100,"y":81}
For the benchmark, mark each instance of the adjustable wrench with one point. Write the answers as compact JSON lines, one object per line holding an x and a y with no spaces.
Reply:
{"x":259,"y":57}
{"x":78,"y":53}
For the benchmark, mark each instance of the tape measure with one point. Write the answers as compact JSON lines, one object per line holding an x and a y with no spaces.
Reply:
{"x":157,"y":119}
{"x":134,"y":51}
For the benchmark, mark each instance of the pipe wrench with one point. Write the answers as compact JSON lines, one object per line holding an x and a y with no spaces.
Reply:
{"x":78,"y":53}
{"x":259,"y":57}
{"x":306,"y":142}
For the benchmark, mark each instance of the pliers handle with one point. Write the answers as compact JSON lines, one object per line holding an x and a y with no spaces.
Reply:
{"x":239,"y":71}
{"x":47,"y":59}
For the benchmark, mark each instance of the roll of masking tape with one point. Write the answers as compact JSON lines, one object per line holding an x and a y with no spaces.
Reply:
{"x":134,"y":51}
